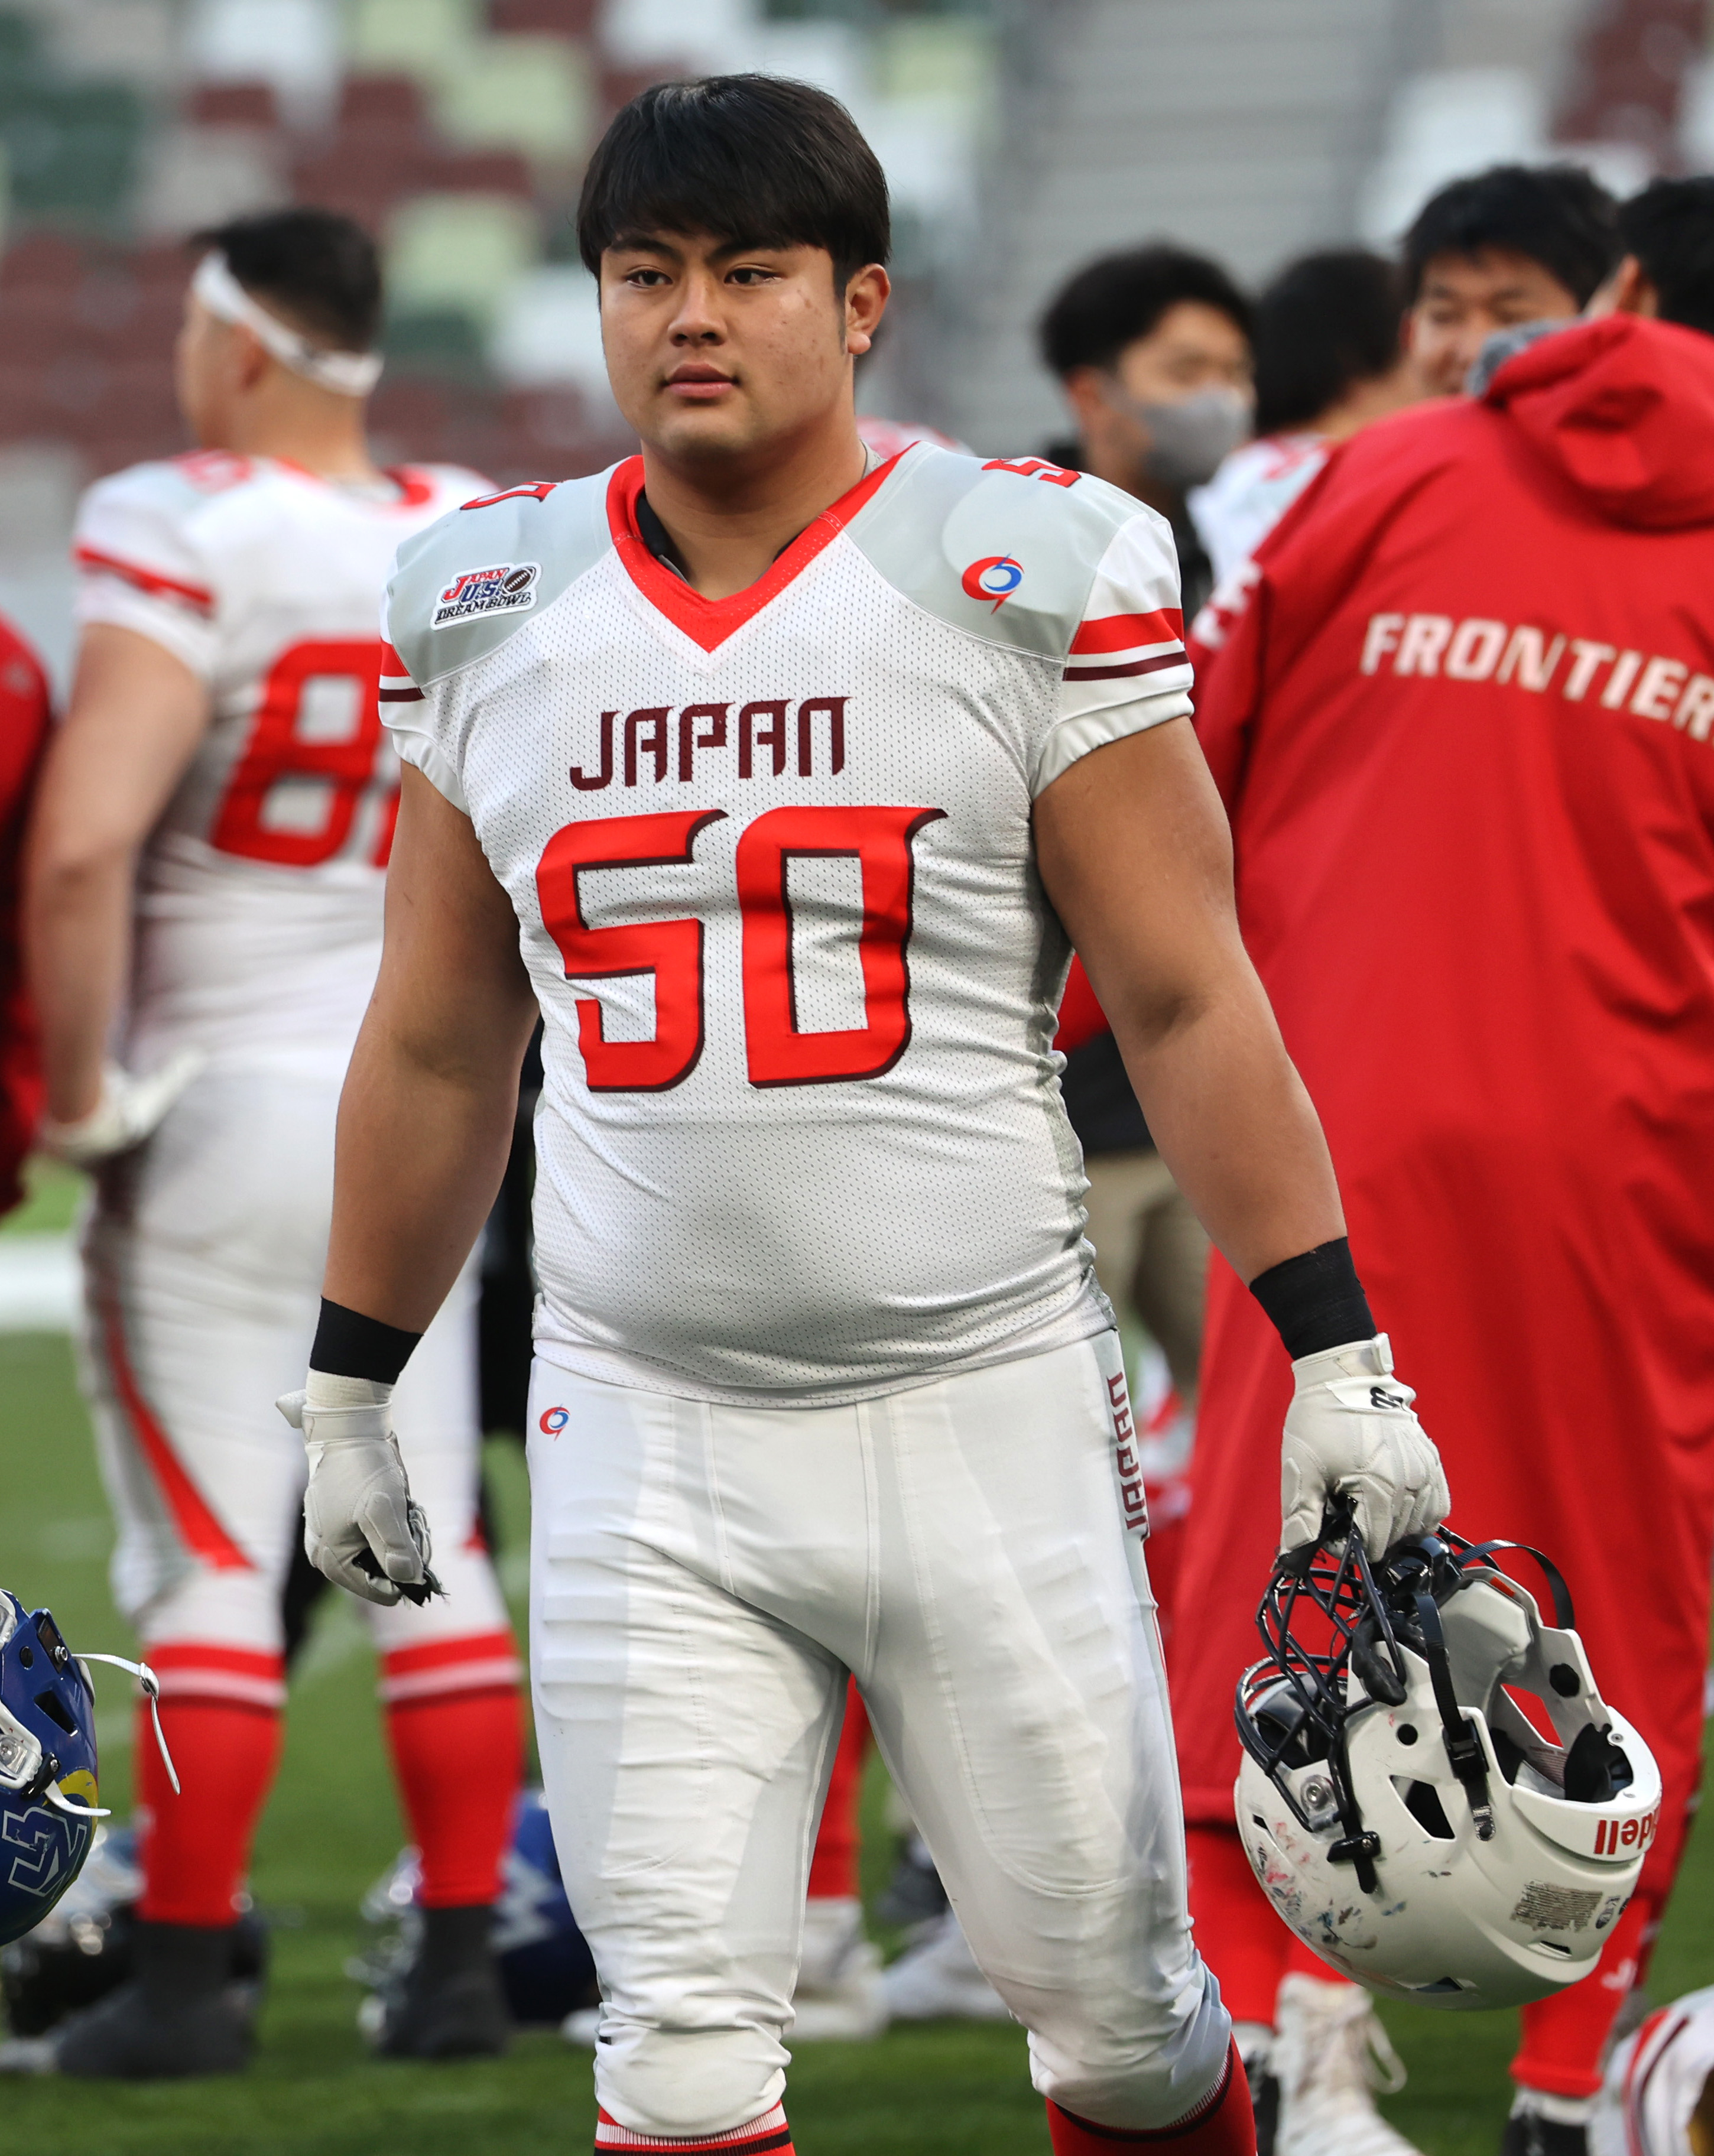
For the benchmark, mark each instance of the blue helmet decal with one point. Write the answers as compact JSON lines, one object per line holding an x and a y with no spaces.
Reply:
{"x":49,"y":1793}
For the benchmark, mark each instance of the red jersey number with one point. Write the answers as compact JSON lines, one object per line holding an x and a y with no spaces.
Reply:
{"x":779,"y":1053}
{"x":277,"y":750}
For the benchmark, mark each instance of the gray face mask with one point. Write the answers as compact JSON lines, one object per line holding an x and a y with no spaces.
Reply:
{"x":1189,"y":440}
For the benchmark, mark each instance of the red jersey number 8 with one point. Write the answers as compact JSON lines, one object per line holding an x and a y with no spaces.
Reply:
{"x":277,"y":751}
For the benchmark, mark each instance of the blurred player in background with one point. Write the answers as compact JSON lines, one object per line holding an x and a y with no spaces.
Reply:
{"x":1667,"y":232}
{"x":1464,"y":728}
{"x":1328,"y":360}
{"x":205,"y":898}
{"x":1517,"y":243}
{"x":1152,"y":348}
{"x":24,"y":714}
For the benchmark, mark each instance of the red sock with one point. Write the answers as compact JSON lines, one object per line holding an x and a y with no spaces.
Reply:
{"x":195,"y":1847}
{"x":1563,"y":2036}
{"x":459,"y":1759}
{"x":1237,"y":1932}
{"x":770,"y":2133}
{"x":833,"y":1869}
{"x":1223,"y":2124}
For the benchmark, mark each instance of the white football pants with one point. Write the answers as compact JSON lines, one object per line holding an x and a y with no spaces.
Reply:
{"x":702,"y":1578}
{"x":203,"y":1263}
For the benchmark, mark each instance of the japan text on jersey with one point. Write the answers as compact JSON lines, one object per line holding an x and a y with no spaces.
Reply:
{"x":771,"y":857}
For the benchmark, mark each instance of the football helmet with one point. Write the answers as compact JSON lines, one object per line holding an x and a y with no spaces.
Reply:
{"x":1433,"y":1794}
{"x":48,"y":1799}
{"x":545,"y":1968}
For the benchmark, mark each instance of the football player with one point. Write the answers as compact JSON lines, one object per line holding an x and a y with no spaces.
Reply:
{"x":204,"y":926}
{"x":780,"y":781}
{"x":1517,"y":243}
{"x":24,"y":717}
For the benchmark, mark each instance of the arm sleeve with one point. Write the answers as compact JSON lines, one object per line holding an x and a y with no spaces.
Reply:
{"x":140,"y":568}
{"x":409,"y":714}
{"x":1126,"y":668}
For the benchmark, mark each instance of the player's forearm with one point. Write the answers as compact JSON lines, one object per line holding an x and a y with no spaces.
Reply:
{"x":1234,"y":1123}
{"x":77,"y":939}
{"x":421,"y":1150}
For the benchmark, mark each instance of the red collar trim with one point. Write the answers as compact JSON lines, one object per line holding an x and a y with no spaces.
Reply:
{"x":710,"y":621}
{"x":415,"y":487}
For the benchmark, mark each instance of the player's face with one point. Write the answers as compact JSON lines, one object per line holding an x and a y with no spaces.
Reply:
{"x":1465,"y":298}
{"x":1192,"y":347}
{"x":715,"y":350}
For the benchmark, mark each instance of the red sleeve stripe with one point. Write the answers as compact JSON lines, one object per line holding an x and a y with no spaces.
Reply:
{"x":1125,"y":632}
{"x":146,"y":580}
{"x":1155,"y":666}
{"x":410,"y":694}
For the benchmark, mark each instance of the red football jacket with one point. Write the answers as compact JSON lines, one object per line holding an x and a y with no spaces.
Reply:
{"x":1463,"y":725}
{"x":23,"y":734}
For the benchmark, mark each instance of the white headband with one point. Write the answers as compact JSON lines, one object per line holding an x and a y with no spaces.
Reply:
{"x":347,"y":373}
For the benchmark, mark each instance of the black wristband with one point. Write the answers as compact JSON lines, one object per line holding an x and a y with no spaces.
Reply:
{"x":1315,"y":1301}
{"x":349,"y":1345}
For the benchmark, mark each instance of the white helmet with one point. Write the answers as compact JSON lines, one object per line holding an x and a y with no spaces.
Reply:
{"x":1400,"y":1799}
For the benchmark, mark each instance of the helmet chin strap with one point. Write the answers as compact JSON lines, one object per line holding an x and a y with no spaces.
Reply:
{"x":151,"y":1692}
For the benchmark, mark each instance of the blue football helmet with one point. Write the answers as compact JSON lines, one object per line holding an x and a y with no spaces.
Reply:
{"x":545,"y":1968}
{"x":48,"y":1796}
{"x":47,"y":1793}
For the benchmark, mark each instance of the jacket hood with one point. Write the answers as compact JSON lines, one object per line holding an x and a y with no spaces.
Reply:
{"x":1625,"y":408}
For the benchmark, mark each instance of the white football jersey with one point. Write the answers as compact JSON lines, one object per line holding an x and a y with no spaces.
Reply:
{"x":260,"y":892}
{"x":801,"y":1140}
{"x":1249,"y":494}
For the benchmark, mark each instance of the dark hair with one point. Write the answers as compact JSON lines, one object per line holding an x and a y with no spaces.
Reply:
{"x":1326,"y":321}
{"x":1557,"y":215}
{"x":1113,"y":301}
{"x":755,"y":160}
{"x":1669,"y":229}
{"x":319,"y":269}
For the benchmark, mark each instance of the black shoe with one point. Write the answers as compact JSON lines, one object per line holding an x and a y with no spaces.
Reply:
{"x":1264,"y":2101}
{"x":447,"y":2003}
{"x":179,"y":2015}
{"x":914,"y":1895}
{"x":1529,"y":2134}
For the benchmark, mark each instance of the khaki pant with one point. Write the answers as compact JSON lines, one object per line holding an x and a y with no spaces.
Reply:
{"x":1151,"y":1253}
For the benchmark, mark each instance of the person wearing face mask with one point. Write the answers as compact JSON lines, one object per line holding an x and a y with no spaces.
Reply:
{"x":1152,"y":348}
{"x":1515,"y":245}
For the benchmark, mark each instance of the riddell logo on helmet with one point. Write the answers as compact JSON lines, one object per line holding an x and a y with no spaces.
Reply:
{"x":504,"y":588}
{"x":1613,"y":1836}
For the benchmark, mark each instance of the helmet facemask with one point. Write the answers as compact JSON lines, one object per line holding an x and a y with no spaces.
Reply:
{"x":1434,"y":1795}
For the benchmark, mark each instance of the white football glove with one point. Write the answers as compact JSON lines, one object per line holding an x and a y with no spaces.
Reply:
{"x":1350,"y":1432}
{"x":129,"y":1110}
{"x":362,"y":1529}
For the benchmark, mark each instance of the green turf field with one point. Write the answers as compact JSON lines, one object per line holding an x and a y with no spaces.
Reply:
{"x":333,"y":1826}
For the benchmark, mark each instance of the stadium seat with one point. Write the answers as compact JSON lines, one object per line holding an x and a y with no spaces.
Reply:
{"x":530,"y":94}
{"x":459,"y":251}
{"x":234,"y":105}
{"x":553,"y":18}
{"x":429,"y":39}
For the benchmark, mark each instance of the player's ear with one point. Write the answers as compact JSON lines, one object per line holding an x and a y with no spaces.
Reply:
{"x":866,"y":303}
{"x":251,"y":360}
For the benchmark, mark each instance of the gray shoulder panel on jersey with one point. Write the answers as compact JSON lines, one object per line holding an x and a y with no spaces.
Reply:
{"x":947,"y":519}
{"x":456,"y":593}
